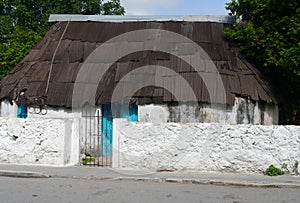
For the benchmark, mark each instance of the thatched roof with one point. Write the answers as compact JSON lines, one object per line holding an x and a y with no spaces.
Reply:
{"x":82,"y":38}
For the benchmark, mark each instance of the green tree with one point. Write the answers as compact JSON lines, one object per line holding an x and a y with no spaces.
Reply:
{"x":6,"y":27}
{"x":268,"y":33}
{"x":16,"y":48}
{"x":24,"y":22}
{"x":113,"y":8}
{"x":34,"y":14}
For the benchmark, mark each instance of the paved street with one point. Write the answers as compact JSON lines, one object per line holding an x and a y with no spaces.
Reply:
{"x":72,"y":190}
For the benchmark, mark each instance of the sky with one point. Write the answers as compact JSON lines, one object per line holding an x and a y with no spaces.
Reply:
{"x":175,"y":7}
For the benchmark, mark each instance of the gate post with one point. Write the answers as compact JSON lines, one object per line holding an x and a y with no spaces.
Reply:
{"x":116,"y":141}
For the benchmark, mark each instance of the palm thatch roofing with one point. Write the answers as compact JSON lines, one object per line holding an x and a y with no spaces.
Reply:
{"x":78,"y":39}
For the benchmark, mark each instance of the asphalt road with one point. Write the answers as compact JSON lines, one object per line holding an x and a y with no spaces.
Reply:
{"x":70,"y":190}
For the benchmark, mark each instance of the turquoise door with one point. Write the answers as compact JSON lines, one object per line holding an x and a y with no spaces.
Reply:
{"x":131,"y":114}
{"x":22,"y":111}
{"x":107,"y":124}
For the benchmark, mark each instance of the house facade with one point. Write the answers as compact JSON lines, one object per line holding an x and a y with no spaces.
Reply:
{"x":60,"y":77}
{"x":49,"y":71}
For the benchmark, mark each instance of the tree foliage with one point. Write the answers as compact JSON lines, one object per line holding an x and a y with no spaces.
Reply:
{"x":34,"y":14}
{"x":18,"y":44}
{"x":268,"y":33}
{"x":24,"y":22}
{"x":113,"y":8}
{"x":6,"y":28}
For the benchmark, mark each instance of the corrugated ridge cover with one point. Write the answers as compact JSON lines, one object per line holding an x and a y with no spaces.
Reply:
{"x":141,"y":18}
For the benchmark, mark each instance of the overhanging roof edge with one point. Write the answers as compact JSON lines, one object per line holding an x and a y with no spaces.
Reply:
{"x":128,"y":18}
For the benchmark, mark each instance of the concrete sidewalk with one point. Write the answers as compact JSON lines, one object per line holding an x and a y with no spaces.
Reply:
{"x":94,"y":173}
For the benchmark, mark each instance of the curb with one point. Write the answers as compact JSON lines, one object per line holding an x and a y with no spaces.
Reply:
{"x":23,"y":174}
{"x":26,"y":174}
{"x":209,"y":182}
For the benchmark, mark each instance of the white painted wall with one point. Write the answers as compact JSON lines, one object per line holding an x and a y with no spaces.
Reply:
{"x":153,"y":113}
{"x":244,"y":111}
{"x":8,"y":110}
{"x":52,"y":142}
{"x":204,"y":147}
{"x":55,"y":112}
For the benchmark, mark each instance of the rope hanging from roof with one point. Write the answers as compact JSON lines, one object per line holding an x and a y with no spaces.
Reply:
{"x":54,"y":54}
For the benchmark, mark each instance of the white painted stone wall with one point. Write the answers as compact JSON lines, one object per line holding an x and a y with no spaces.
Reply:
{"x":153,"y":113}
{"x":244,"y":111}
{"x":54,"y":112}
{"x":204,"y":147}
{"x":52,"y":142}
{"x":8,"y":110}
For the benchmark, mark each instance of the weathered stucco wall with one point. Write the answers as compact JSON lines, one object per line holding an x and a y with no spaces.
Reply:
{"x":244,"y":111}
{"x":205,"y":147}
{"x":9,"y":110}
{"x":55,"y":113}
{"x":39,"y":141}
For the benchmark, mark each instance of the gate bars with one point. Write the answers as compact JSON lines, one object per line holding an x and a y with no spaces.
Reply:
{"x":93,"y":144}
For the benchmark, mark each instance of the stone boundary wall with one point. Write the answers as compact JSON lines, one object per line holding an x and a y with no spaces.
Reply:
{"x":204,"y":147}
{"x":41,"y":141}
